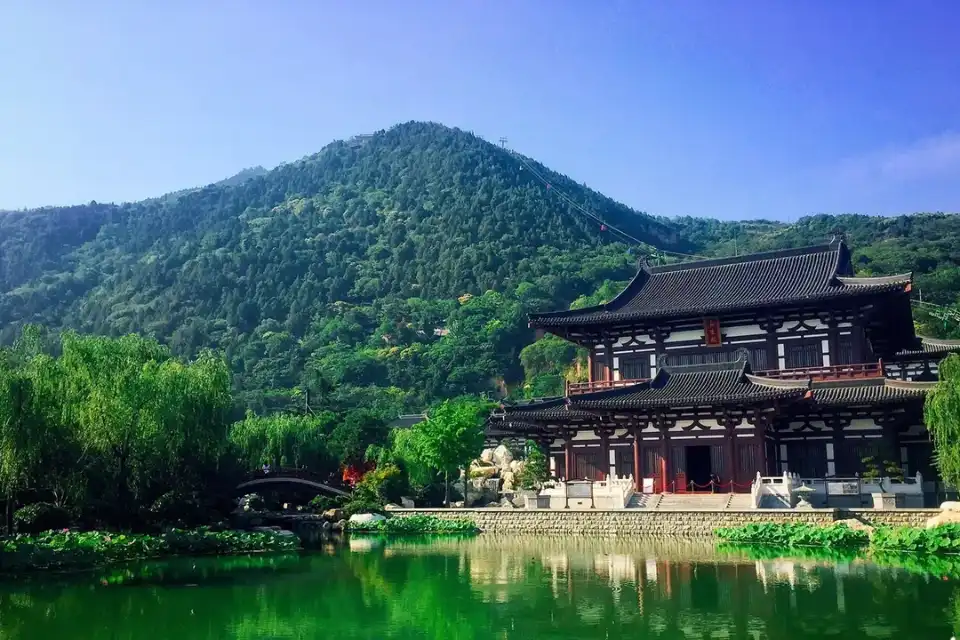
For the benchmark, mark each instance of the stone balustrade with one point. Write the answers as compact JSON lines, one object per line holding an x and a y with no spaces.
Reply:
{"x":780,"y":491}
{"x":613,"y":493}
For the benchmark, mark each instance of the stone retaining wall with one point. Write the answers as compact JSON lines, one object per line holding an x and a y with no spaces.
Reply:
{"x":892,"y":517}
{"x":657,"y":522}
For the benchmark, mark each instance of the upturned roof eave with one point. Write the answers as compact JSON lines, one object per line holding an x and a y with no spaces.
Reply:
{"x":578,"y":317}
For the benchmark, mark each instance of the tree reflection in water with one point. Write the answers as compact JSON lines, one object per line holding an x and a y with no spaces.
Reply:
{"x":494,"y":587}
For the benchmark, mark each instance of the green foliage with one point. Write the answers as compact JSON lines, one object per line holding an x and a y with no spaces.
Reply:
{"x":374,"y":490}
{"x":607,"y":291}
{"x":450,"y":437}
{"x":536,"y":467}
{"x":938,"y":540}
{"x":946,"y":566}
{"x":72,"y":550}
{"x":416,"y":524}
{"x":287,"y":439}
{"x":872,"y":470}
{"x":942,"y":539}
{"x":321,"y":503}
{"x":181,"y":509}
{"x":339,"y":276}
{"x":102,"y":424}
{"x":941,"y":414}
{"x":794,"y":534}
{"x":547,"y":364}
{"x":403,"y":451}
{"x":315,"y":262}
{"x":40,"y":516}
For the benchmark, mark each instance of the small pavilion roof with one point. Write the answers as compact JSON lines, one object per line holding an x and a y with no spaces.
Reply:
{"x":773,"y":278}
{"x":695,"y":385}
{"x":930,"y":347}
{"x":867,"y":391}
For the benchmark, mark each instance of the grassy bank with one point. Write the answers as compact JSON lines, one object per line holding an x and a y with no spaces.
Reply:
{"x":939,"y":540}
{"x":416,"y":525}
{"x":61,"y":550}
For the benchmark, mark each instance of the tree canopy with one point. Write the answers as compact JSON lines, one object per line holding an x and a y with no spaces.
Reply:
{"x":389,"y":271}
{"x":942,"y":416}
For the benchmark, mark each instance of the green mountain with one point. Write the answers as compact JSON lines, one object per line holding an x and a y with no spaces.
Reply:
{"x":389,"y":270}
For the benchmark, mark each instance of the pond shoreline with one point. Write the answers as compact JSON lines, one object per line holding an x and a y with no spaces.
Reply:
{"x":67,"y":551}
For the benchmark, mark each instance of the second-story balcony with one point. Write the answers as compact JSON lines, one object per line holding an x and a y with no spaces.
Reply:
{"x":832,"y":372}
{"x":817,"y":374}
{"x":575,"y":388}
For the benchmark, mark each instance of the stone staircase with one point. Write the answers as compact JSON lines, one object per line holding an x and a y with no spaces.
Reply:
{"x":644,"y":501}
{"x":691,"y":501}
{"x":740,"y":501}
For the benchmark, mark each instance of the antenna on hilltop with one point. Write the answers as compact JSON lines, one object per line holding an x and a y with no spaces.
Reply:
{"x":503,"y":142}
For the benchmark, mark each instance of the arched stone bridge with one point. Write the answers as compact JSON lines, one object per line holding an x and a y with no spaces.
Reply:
{"x":285,"y":476}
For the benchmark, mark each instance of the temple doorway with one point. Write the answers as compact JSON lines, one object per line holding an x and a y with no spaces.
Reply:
{"x":699,"y":467}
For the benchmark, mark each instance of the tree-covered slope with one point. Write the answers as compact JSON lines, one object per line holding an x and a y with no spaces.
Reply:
{"x":251,"y":266}
{"x":389,"y":270}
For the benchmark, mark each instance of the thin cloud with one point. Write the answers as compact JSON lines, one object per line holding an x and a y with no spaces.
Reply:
{"x":928,"y":158}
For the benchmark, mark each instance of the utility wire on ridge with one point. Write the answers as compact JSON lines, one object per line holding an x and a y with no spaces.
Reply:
{"x":938,"y":311}
{"x":592,"y":216}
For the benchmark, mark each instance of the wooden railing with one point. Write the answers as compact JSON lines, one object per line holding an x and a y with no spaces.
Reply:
{"x":833,"y":372}
{"x":574,"y":388}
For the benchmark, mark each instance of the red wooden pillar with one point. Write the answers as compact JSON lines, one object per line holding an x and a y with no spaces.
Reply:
{"x":664,"y":455}
{"x":637,"y":475}
{"x":604,"y":454}
{"x":761,"y":438}
{"x":590,"y":365}
{"x":608,"y":354}
{"x":568,"y":458}
{"x":731,"y":442}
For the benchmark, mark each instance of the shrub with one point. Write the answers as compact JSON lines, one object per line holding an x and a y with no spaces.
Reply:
{"x":400,"y":525}
{"x":536,"y":468}
{"x":939,"y":540}
{"x":181,"y":510}
{"x":794,"y":534}
{"x":370,"y":493}
{"x":322,"y":503}
{"x":40,"y":516}
{"x":66,"y":549}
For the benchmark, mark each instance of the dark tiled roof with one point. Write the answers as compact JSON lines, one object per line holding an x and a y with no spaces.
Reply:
{"x":711,"y":286}
{"x":869,"y":392}
{"x":931,"y":347}
{"x":543,"y":410}
{"x":697,"y":385}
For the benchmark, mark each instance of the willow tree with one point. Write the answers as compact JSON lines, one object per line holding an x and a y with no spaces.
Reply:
{"x":281,"y":437}
{"x":149,"y":421}
{"x":193,"y":406}
{"x":25,"y":414}
{"x":941,"y":413}
{"x":19,"y":444}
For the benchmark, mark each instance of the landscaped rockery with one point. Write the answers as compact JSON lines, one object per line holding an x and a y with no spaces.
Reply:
{"x":495,"y":479}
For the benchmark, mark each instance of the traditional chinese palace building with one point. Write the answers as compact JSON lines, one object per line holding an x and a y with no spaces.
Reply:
{"x":720,"y":369}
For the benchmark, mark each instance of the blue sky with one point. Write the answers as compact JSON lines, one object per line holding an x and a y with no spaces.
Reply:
{"x":721,"y":109}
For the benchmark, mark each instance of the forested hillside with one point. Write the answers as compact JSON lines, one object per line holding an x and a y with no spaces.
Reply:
{"x":387,"y":270}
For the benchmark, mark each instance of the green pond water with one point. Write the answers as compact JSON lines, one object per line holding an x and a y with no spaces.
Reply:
{"x":490,"y":587}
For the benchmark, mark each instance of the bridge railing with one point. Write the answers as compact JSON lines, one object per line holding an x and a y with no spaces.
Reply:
{"x":293,"y":473}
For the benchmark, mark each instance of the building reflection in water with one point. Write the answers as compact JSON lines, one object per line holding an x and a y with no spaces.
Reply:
{"x":690,"y":590}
